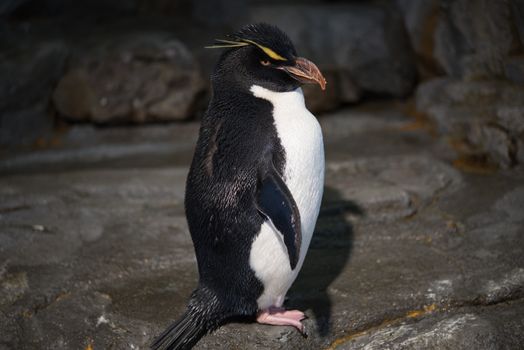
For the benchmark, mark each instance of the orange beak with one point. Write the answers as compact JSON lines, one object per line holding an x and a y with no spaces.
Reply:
{"x":305,"y":71}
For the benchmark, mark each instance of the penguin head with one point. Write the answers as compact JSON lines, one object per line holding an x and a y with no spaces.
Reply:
{"x":261,"y":54}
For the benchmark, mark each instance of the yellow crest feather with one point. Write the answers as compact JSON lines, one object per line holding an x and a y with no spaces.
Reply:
{"x":267,"y":51}
{"x":222,"y":43}
{"x":225,"y":44}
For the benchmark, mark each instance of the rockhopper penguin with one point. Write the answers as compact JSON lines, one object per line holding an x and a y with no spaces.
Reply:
{"x":254,"y":188}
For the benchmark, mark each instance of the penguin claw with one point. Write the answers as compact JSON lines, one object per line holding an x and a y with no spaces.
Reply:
{"x":304,"y":332}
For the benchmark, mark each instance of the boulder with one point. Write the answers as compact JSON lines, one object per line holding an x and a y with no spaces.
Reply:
{"x":392,"y":187}
{"x":133,"y":79}
{"x":488,"y":115}
{"x":473,"y":37}
{"x":365,"y":42}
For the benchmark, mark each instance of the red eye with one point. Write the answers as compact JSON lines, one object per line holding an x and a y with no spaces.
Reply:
{"x":264,"y":63}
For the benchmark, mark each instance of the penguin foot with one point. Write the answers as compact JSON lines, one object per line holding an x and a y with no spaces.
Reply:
{"x":295,"y":314}
{"x":278,"y":316}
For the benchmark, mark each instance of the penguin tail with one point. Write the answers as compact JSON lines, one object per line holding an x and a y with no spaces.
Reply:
{"x":203,"y":315}
{"x":181,"y":335}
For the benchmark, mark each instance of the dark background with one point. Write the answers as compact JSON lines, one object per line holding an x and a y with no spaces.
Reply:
{"x":458,"y":64}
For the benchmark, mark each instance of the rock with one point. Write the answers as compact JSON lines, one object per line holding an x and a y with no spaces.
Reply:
{"x":514,"y":69}
{"x":420,"y":18}
{"x":219,"y":12}
{"x":165,"y":7}
{"x":321,"y":101}
{"x":517,"y":7}
{"x":380,"y":188}
{"x":462,"y":330}
{"x":13,"y":287}
{"x":341,"y":88}
{"x":488,"y":115}
{"x":14,"y":125}
{"x":367,"y":42}
{"x":138,"y":79}
{"x":519,"y":155}
{"x":28,"y":76}
{"x":511,"y":118}
{"x":114,"y":263}
{"x":83,"y":146}
{"x":46,"y":8}
{"x":511,"y":205}
{"x":347,"y":88}
{"x":8,"y":6}
{"x":506,"y":287}
{"x":494,"y":141}
{"x":474,"y":37}
{"x":417,"y":18}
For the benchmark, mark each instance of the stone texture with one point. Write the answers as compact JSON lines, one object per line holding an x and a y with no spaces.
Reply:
{"x":517,"y":10}
{"x":86,"y":146}
{"x":407,"y":253}
{"x":465,"y":329}
{"x":380,"y":185}
{"x":134,"y":79}
{"x":474,"y":37}
{"x":417,"y":16}
{"x":489,"y":115}
{"x":367,"y":42}
{"x":421,"y":19}
{"x":28,"y":76}
{"x":514,"y":69}
{"x":520,"y":151}
{"x":492,"y":140}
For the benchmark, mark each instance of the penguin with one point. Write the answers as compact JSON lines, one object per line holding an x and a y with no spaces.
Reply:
{"x":254,"y":187}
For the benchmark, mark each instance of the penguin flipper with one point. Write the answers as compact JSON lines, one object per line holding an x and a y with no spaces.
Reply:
{"x":275,"y":203}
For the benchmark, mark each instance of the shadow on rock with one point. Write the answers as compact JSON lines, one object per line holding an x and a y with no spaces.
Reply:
{"x":329,"y":252}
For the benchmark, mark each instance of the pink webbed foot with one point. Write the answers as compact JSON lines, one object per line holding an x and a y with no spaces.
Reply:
{"x":278,"y":316}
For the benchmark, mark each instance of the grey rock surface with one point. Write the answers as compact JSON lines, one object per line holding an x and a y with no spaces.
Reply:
{"x":466,"y":329}
{"x":150,"y":77}
{"x":417,"y":15}
{"x":408,"y":251}
{"x":473,"y":38}
{"x":488,"y":115}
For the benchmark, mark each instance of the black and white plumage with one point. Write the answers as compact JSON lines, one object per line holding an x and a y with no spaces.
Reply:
{"x":254,"y":188}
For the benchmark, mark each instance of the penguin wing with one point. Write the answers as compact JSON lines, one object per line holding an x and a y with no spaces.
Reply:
{"x":275,"y":203}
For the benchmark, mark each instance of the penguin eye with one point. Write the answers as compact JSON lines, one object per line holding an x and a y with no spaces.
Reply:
{"x":265,"y":62}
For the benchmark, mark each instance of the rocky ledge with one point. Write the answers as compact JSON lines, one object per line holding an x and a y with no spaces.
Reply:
{"x":409,"y":251}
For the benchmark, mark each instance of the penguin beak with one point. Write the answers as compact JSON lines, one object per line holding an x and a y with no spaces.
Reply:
{"x":305,"y":71}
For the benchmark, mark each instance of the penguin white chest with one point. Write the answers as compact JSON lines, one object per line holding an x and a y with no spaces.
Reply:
{"x":301,"y":138}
